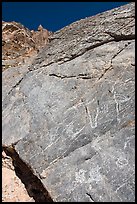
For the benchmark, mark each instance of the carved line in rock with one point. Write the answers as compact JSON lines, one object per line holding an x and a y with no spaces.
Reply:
{"x":93,"y":120}
{"x":127,"y":143}
{"x":118,"y":100}
{"x":101,"y":108}
{"x":75,"y":136}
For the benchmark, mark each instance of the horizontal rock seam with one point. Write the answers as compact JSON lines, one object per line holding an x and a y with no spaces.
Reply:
{"x":115,"y":38}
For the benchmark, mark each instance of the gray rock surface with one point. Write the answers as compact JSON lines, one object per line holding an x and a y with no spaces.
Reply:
{"x":71,"y":117}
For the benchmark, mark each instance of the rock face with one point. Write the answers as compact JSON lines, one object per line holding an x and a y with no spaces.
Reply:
{"x":19,"y":48}
{"x":69,"y":118}
{"x":19,"y":43}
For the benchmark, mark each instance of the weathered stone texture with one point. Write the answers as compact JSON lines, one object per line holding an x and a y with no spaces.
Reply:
{"x":72,"y":116}
{"x":84,"y":35}
{"x":19,"y":43}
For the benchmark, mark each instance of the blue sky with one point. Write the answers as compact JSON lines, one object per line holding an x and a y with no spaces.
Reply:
{"x":52,"y":15}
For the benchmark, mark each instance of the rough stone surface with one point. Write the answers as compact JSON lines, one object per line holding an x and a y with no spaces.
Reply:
{"x":19,"y":43}
{"x":19,"y":47}
{"x":71,"y":118}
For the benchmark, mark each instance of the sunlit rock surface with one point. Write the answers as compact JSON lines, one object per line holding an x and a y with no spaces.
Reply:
{"x":71,"y":115}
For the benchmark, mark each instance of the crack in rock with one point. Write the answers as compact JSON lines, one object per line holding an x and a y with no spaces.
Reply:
{"x":115,"y":55}
{"x":119,"y":37}
{"x":18,"y":83}
{"x":114,"y":38}
{"x":80,"y":76}
{"x":24,"y":172}
{"x":90,"y":197}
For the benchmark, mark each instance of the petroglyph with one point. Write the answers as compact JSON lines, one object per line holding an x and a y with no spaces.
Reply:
{"x":92,"y":118}
{"x":104,"y":108}
{"x":119,"y":99}
{"x":83,"y":176}
{"x":121,"y":162}
{"x":78,"y":139}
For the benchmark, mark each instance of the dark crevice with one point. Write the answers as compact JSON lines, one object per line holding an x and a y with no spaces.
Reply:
{"x":80,"y":76}
{"x":119,"y":37}
{"x":85,"y":50}
{"x":25,"y":173}
{"x":109,"y":68}
{"x":61,"y":76}
{"x":120,"y":51}
{"x":114,"y":37}
{"x":115,"y":55}
{"x":90,"y":197}
{"x":17,"y":83}
{"x":84,"y":76}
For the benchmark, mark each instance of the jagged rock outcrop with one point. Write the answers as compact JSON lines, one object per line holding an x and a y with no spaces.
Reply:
{"x":68,"y":120}
{"x":19,"y":43}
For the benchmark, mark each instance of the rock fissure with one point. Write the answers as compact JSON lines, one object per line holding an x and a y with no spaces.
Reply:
{"x":85,"y":76}
{"x":113,"y":37}
{"x":115,"y":55}
{"x":111,"y":62}
{"x":18,"y":83}
{"x":119,"y":37}
{"x":25,"y":173}
{"x":90,"y":197}
{"x":79,"y":76}
{"x":116,"y":38}
{"x":85,"y":50}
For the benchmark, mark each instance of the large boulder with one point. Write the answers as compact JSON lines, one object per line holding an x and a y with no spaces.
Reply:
{"x":68,"y":121}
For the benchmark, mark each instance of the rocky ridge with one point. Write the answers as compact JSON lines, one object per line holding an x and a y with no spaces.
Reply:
{"x":71,"y":113}
{"x":19,"y":44}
